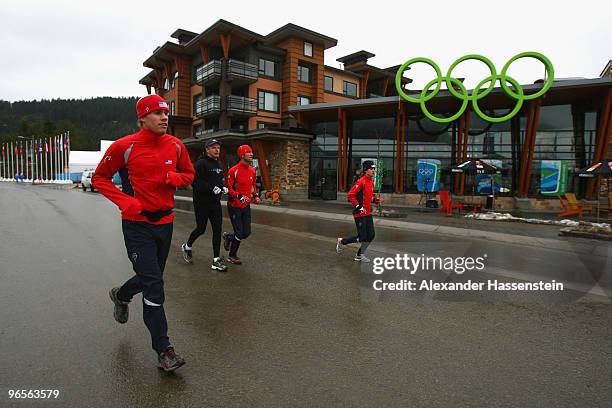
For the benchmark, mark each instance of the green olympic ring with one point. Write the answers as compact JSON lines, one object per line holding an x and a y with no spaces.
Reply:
{"x":476,"y":95}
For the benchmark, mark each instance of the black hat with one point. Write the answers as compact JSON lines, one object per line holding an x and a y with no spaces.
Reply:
{"x":368,"y":164}
{"x":211,"y":142}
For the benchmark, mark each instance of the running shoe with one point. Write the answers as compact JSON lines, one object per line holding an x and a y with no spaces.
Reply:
{"x":121,"y":311}
{"x":187,"y":254}
{"x":169,"y":360}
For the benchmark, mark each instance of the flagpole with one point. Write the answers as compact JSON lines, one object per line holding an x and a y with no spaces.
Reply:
{"x":54,"y":156}
{"x":32,"y":161}
{"x":44,"y":160}
{"x":68,"y":146}
{"x":63,"y":159}
{"x":61,"y":156}
{"x":27,"y":167}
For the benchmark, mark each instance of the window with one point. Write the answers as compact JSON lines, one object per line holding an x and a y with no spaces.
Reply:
{"x":267,"y":67}
{"x":196,"y":101}
{"x":266,"y":125}
{"x":172,"y":108}
{"x":349,"y":88}
{"x":197,"y":131}
{"x":194,"y":77}
{"x":329,"y":83}
{"x":303,"y":73}
{"x":307,"y":49}
{"x":267,"y":101}
{"x":303,"y":100}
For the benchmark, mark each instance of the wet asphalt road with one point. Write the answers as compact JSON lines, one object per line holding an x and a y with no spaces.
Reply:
{"x":296,"y":325}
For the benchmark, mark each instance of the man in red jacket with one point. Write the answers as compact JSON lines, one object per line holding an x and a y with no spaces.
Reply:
{"x":361,"y":195}
{"x":242,"y":189}
{"x":152,"y":164}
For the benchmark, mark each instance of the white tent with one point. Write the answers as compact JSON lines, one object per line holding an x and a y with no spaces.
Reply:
{"x":86,"y":160}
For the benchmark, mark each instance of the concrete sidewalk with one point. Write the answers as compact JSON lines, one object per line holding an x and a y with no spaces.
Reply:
{"x":423,"y":221}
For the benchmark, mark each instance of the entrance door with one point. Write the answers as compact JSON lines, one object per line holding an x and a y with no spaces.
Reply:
{"x":323,"y":179}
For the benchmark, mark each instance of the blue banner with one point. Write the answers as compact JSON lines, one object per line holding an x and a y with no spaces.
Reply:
{"x":428,"y":175}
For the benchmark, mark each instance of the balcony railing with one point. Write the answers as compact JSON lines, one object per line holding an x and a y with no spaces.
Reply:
{"x":241,"y":104}
{"x":243,"y":70}
{"x":208,"y":105}
{"x":209,"y":71}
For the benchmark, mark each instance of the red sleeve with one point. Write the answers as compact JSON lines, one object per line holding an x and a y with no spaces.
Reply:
{"x":231,"y":178}
{"x":185,"y":170}
{"x":351,"y":196}
{"x":254,"y":182}
{"x":112,"y":161}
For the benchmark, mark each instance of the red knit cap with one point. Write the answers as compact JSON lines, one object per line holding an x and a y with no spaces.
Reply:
{"x":150,"y":103}
{"x":244,"y":149}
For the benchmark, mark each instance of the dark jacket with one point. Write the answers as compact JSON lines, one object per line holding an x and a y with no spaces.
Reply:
{"x":209,"y":175}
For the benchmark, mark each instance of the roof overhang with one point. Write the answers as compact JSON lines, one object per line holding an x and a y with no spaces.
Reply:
{"x":561,"y":92}
{"x":163,"y":55}
{"x":292,"y":30}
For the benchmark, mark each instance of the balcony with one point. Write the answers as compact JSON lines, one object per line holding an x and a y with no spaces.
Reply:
{"x":210,"y":73}
{"x":241,"y":73}
{"x":208,"y":106}
{"x":239,"y":105}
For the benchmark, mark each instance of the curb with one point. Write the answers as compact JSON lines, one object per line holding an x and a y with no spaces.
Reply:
{"x":416,"y":227}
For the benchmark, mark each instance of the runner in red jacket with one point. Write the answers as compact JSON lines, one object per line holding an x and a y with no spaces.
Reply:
{"x":151,"y":164}
{"x":242,"y":190}
{"x":361,"y":195}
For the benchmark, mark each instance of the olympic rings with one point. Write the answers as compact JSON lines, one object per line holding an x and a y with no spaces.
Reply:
{"x":463,"y":94}
{"x":425,"y":172}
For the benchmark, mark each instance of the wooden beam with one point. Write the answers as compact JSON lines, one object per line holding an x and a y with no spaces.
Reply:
{"x":525,"y":151}
{"x":398,"y":125}
{"x":458,"y":150}
{"x":602,"y":140}
{"x":225,"y":44}
{"x":529,"y":147}
{"x":204,"y":52}
{"x":466,"y":135}
{"x":345,"y":136}
{"x":402,"y":150}
{"x":364,"y":84}
{"x":340,"y":151}
{"x":536,"y":122}
{"x":263,"y":166}
{"x":386,"y":86}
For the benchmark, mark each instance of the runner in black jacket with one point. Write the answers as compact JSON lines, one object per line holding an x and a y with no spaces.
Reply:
{"x":208,"y":186}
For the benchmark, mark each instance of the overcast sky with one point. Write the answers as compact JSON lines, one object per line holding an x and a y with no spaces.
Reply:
{"x":80,"y":49}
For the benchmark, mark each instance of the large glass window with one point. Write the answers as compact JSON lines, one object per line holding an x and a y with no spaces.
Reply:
{"x":303,"y":73}
{"x":349,"y":88}
{"x":268,"y":101}
{"x":267,"y":67}
{"x":329,"y":83}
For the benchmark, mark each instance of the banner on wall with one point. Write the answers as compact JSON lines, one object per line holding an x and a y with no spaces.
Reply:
{"x":553,"y":177}
{"x":483,"y":181}
{"x":428,"y":175}
{"x":377,"y":179}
